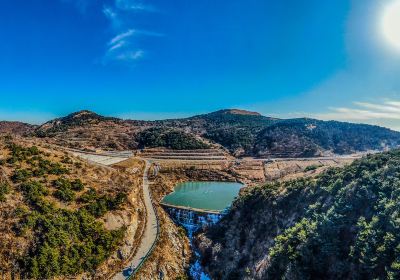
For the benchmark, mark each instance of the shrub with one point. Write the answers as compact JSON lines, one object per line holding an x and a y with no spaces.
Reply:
{"x":64,"y":190}
{"x":104,"y":204}
{"x":88,"y":196}
{"x":77,"y":185}
{"x":21,"y":175}
{"x":33,"y":191}
{"x":4,"y":190}
{"x":311,"y":168}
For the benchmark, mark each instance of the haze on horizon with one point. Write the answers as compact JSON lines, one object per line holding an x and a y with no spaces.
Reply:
{"x":154,"y":60}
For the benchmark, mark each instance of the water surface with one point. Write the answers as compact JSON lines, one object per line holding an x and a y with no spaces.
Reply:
{"x":204,"y":195}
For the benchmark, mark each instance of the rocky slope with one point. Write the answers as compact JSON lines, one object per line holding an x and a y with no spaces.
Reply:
{"x":241,"y":132}
{"x":343,"y":224}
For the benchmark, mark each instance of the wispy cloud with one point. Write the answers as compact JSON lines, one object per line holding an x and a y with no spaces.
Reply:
{"x":130,"y":56}
{"x":365,"y":111}
{"x":112,"y":15}
{"x":121,"y":37}
{"x":134,"y":5}
{"x":384,"y":113}
{"x":124,"y":45}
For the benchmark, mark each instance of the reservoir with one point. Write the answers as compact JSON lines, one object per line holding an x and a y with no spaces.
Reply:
{"x":215,"y":196}
{"x":192,"y":201}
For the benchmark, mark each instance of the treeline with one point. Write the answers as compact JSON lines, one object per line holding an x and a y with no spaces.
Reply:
{"x":169,"y":138}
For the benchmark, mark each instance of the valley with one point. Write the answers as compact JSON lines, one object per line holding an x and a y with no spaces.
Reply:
{"x":166,"y":199}
{"x":199,"y":140}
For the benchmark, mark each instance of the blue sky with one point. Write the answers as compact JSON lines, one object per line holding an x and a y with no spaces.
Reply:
{"x":159,"y":59}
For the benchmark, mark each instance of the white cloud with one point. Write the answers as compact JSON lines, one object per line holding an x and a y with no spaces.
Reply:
{"x":130,"y":55}
{"x":134,"y":5}
{"x":113,"y":17}
{"x":117,"y":46}
{"x":124,"y":46}
{"x":366,"y":111}
{"x":385,"y":113}
{"x":120,"y":37}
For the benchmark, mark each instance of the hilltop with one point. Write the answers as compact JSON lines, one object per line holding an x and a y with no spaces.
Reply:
{"x":240,"y":132}
{"x":16,"y":128}
{"x":80,"y":118}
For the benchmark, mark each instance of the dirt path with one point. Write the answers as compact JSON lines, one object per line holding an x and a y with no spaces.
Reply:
{"x":150,"y":233}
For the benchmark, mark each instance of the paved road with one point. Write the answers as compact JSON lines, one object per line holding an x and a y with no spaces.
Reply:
{"x":150,"y":234}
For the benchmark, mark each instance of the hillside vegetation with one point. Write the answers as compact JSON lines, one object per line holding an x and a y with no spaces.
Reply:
{"x":343,"y":224}
{"x":49,"y":215}
{"x":308,"y":137}
{"x":169,"y":138}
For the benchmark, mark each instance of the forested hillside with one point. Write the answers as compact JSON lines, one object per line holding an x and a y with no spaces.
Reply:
{"x":344,"y":224}
{"x":309,"y":137}
{"x":50,"y":210}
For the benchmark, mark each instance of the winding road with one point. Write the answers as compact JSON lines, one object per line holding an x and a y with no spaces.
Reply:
{"x":149,"y":237}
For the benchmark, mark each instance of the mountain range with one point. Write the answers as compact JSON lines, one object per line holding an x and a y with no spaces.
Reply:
{"x":240,"y":132}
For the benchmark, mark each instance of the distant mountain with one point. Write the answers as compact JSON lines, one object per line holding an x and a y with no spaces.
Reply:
{"x":241,"y":132}
{"x":249,"y":133}
{"x":81,"y":118}
{"x":17,"y":128}
{"x":344,"y":224}
{"x":309,"y":137}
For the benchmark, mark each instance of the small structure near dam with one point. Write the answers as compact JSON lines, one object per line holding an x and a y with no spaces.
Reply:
{"x":192,"y":219}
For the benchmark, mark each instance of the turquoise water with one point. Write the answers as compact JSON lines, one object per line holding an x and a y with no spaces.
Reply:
{"x":204,"y":195}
